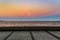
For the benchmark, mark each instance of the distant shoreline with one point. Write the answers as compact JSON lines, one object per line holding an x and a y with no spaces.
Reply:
{"x":31,"y":21}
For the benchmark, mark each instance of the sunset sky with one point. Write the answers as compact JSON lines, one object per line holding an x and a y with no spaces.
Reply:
{"x":38,"y":10}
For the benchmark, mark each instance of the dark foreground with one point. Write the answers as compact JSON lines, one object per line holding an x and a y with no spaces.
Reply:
{"x":29,"y":28}
{"x":30,"y":25}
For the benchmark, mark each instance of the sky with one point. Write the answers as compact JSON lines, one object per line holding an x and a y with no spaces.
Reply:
{"x":30,"y":10}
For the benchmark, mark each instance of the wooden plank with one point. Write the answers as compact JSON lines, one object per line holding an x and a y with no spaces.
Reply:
{"x":20,"y":35}
{"x":57,"y":33}
{"x":41,"y":35}
{"x":4,"y":34}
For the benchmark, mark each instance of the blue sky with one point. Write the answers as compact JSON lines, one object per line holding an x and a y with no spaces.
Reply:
{"x":46,"y":1}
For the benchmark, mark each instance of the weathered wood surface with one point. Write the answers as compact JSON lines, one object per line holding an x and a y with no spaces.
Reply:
{"x":20,"y":35}
{"x":4,"y":34}
{"x":57,"y":33}
{"x":29,"y":23}
{"x":29,"y":35}
{"x":41,"y":35}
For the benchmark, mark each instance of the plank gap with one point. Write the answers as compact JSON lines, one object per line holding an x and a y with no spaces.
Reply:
{"x":53,"y":35}
{"x":32,"y":36}
{"x":9,"y":35}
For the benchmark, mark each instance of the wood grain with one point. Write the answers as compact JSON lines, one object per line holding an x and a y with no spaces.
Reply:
{"x":57,"y":33}
{"x":41,"y":35}
{"x":4,"y":34}
{"x":20,"y":35}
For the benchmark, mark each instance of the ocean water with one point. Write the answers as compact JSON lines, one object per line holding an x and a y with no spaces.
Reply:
{"x":27,"y":19}
{"x":48,"y":18}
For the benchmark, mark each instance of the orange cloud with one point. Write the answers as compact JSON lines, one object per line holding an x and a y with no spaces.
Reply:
{"x":24,"y":11}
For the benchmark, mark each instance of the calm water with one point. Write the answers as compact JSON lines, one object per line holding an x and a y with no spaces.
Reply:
{"x":29,"y":19}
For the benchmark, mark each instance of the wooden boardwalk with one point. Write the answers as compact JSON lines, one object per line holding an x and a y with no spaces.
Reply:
{"x":29,"y":35}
